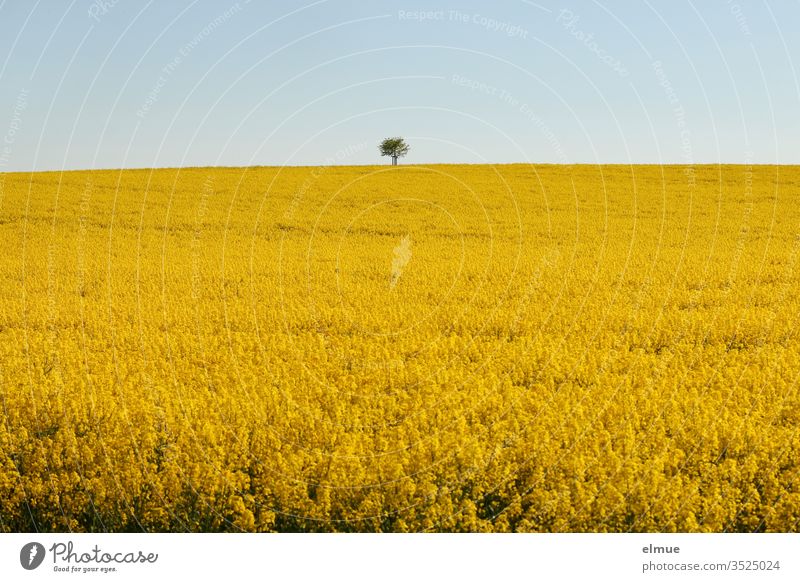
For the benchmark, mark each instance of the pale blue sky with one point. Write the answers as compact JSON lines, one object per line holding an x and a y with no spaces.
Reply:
{"x":105,"y":84}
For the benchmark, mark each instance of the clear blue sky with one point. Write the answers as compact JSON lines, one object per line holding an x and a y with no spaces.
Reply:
{"x":129,"y":83}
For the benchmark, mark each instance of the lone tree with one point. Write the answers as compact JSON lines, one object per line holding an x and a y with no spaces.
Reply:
{"x":395,"y":147}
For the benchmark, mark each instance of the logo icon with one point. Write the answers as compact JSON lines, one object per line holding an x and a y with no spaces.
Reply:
{"x":31,"y":555}
{"x":402,"y":255}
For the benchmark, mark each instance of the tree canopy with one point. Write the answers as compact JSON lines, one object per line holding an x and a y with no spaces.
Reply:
{"x":396,"y":147}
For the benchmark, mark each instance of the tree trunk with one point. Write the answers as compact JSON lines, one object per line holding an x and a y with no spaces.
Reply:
{"x":394,"y":160}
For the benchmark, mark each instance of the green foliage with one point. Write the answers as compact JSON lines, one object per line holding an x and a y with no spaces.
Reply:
{"x":395,"y":147}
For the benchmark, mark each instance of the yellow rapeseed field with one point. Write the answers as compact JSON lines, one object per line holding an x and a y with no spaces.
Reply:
{"x":419,"y":348}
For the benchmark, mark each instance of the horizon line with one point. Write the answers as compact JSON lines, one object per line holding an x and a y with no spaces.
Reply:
{"x":387,"y":165}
